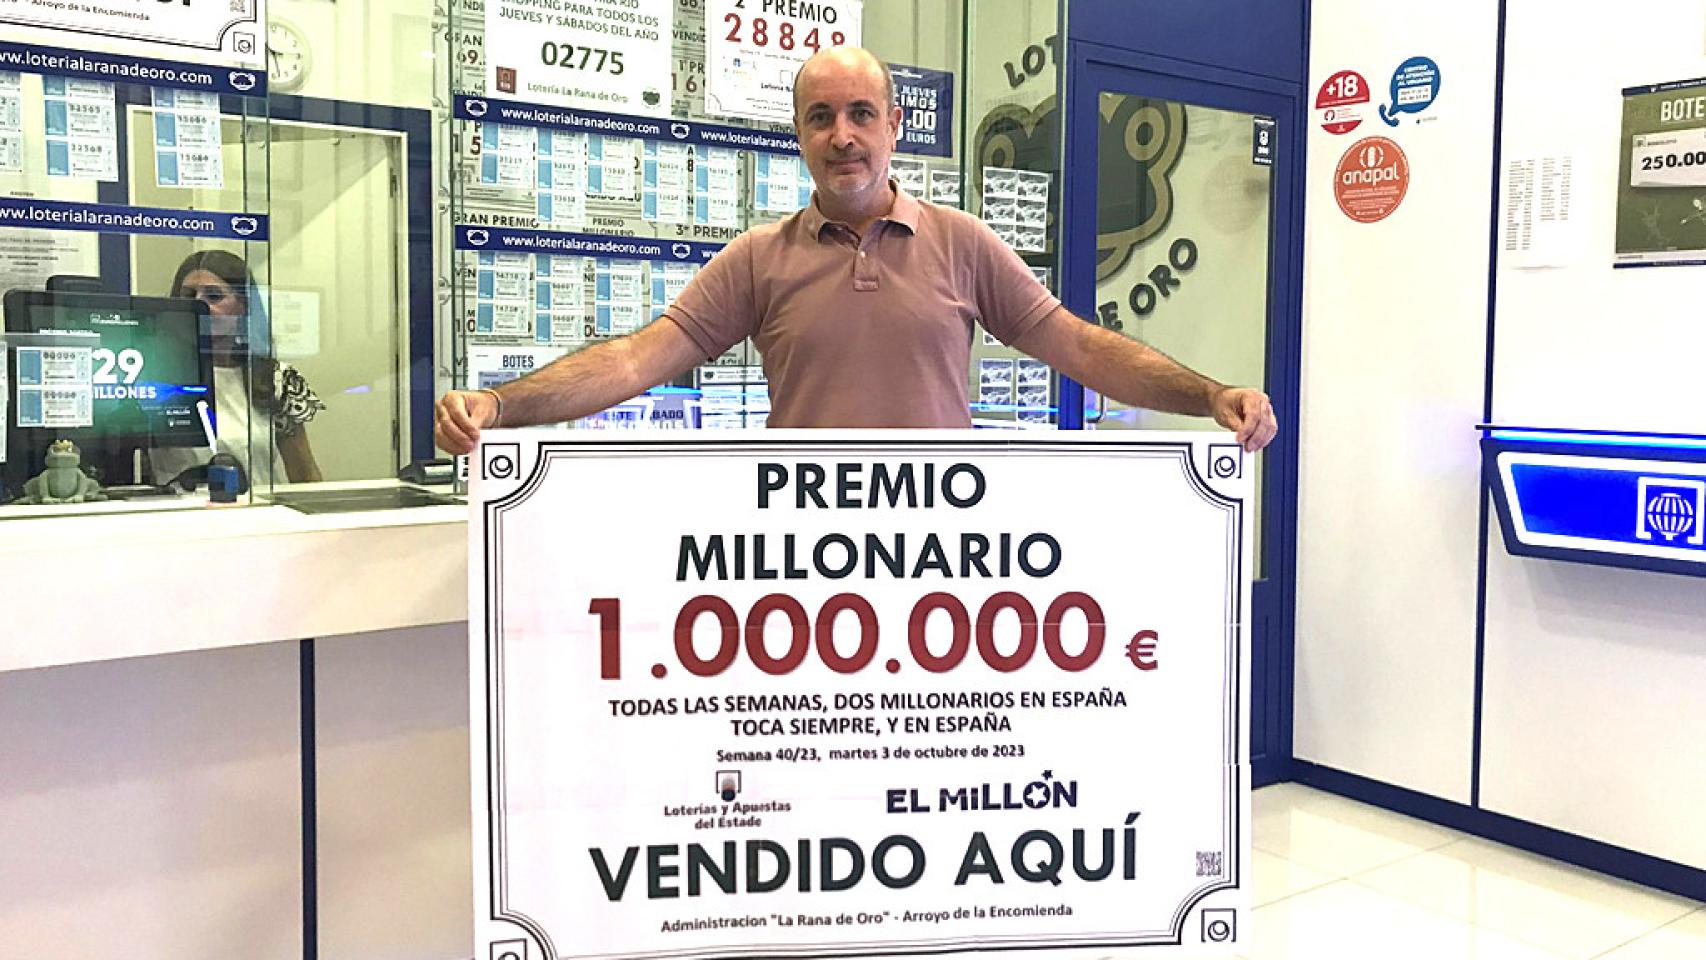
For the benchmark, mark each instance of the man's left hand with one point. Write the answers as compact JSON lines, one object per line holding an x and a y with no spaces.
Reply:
{"x":1247,"y":412}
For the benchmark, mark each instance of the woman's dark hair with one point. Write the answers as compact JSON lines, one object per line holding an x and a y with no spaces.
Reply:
{"x":227,"y":266}
{"x":234,"y":273}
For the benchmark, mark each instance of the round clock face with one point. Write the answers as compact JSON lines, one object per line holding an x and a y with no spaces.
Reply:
{"x":287,"y":56}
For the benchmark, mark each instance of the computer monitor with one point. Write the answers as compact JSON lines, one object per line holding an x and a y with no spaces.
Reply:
{"x":149,"y":364}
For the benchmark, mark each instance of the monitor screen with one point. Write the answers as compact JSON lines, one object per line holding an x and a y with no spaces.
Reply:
{"x":145,"y":359}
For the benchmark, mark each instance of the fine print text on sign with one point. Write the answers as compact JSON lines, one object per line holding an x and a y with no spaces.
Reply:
{"x":858,"y":696}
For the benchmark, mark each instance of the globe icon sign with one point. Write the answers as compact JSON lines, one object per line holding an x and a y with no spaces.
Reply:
{"x":1670,"y":515}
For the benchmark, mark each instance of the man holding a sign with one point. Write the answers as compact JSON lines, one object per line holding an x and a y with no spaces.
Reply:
{"x":862,"y":305}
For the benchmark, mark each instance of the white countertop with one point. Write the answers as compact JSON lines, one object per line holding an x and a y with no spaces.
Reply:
{"x":102,"y":584}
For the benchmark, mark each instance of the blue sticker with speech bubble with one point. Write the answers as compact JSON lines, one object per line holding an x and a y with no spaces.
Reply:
{"x":1415,"y":85}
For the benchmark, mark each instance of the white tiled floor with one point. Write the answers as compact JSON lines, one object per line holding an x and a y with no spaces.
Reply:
{"x":1337,"y":880}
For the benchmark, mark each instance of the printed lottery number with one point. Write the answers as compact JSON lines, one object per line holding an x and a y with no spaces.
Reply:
{"x":760,"y":33}
{"x":128,"y":361}
{"x":807,"y":632}
{"x":1669,"y":160}
{"x":565,"y":55}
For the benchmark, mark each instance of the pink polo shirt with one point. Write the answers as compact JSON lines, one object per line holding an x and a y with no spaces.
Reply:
{"x":864,"y":332}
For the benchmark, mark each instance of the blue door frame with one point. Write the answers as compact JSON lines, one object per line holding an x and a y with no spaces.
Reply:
{"x":1090,"y":69}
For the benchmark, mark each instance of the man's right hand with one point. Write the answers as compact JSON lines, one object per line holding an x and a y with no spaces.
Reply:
{"x":459,"y":418}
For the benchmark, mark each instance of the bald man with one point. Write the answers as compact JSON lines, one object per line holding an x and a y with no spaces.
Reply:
{"x":862,"y":305}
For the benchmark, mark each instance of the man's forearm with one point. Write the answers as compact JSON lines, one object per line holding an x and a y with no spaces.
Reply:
{"x":1139,"y":375}
{"x":1127,"y":370}
{"x":575,"y":386}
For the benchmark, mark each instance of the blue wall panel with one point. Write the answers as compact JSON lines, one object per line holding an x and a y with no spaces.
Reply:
{"x":1263,"y":37}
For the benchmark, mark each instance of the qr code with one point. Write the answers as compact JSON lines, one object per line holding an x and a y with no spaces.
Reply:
{"x":1209,"y":864}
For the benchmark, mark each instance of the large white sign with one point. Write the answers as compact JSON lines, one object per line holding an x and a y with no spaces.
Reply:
{"x":1669,"y":158}
{"x":805,"y":694}
{"x":605,"y":55}
{"x":228,"y":32}
{"x":753,"y":48}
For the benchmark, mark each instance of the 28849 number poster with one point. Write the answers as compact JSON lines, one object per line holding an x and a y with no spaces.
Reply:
{"x":753,"y":48}
{"x":796,"y":694}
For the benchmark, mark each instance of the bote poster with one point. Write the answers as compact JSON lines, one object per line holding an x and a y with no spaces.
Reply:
{"x":777,"y":694}
{"x":606,"y":55}
{"x":1661,"y":187}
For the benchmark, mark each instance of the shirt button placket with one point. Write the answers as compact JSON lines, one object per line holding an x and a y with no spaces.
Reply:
{"x":864,"y":268}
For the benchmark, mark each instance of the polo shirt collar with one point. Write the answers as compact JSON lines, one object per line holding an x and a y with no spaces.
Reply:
{"x":904,"y":212}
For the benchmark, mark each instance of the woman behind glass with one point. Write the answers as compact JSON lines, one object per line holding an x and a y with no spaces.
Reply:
{"x":245,"y":386}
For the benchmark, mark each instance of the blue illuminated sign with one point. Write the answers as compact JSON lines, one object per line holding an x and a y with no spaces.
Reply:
{"x":1615,"y":503}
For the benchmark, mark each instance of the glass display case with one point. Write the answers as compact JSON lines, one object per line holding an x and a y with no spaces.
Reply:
{"x":288,"y":186}
{"x":574,"y":224}
{"x":368,"y":220}
{"x":134,"y":264}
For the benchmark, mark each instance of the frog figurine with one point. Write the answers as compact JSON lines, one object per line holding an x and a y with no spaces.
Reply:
{"x":62,"y":481}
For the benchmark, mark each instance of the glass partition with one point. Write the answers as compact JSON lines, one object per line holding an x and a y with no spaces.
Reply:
{"x":1013,"y":174}
{"x":547,"y":178}
{"x":135,"y":263}
{"x":333,"y":206}
{"x":319,"y":135}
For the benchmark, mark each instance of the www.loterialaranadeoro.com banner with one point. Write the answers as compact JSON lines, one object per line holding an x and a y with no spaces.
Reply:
{"x":801,"y":694}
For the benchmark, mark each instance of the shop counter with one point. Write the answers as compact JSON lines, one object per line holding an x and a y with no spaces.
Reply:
{"x":101,"y":585}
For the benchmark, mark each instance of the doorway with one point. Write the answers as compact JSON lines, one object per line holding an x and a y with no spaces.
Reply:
{"x":1181,"y":232}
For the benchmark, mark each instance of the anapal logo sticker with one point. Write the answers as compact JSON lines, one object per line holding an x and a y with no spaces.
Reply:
{"x":1371,"y":179}
{"x":1672,"y":511}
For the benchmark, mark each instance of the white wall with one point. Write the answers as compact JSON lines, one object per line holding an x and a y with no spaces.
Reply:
{"x":368,"y":51}
{"x":151,"y":807}
{"x":1593,"y":717}
{"x":395,"y":848}
{"x":1393,"y":343}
